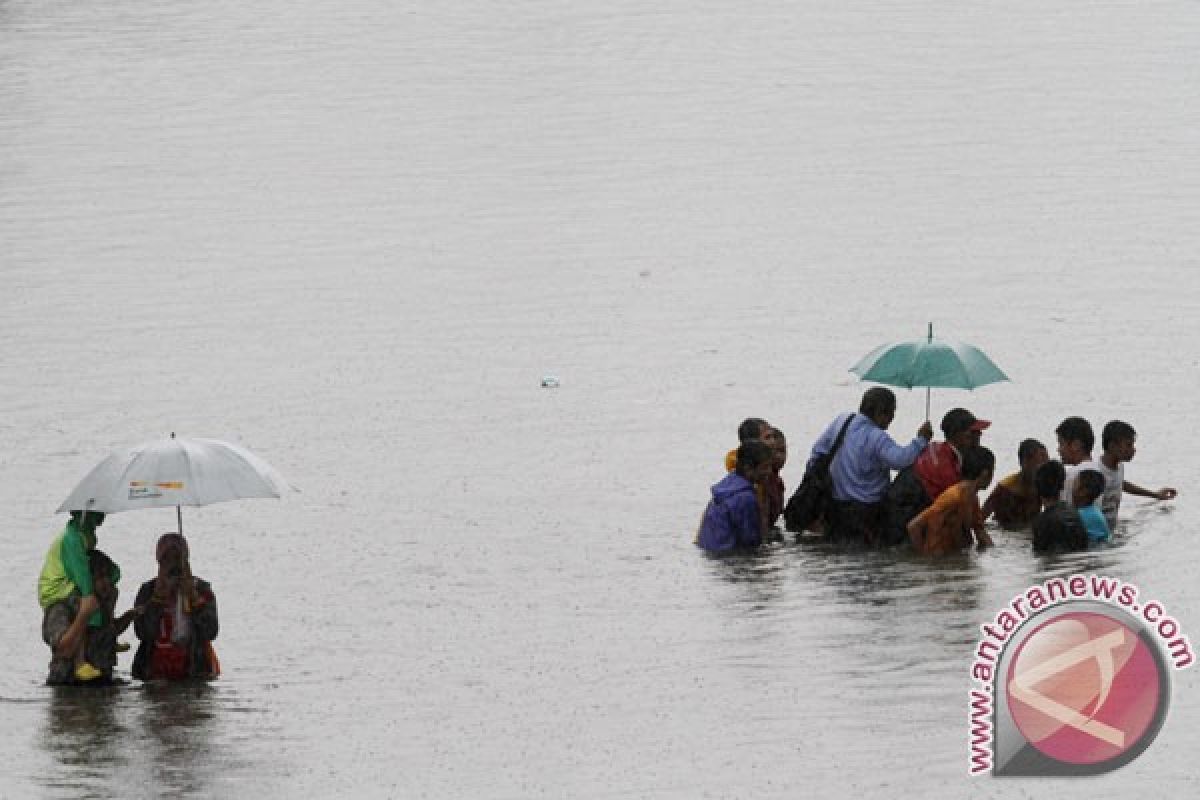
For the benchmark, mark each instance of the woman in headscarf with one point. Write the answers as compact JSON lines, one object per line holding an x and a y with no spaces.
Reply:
{"x":178,"y":620}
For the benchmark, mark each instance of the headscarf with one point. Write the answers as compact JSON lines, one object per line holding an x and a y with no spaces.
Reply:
{"x":164,"y":543}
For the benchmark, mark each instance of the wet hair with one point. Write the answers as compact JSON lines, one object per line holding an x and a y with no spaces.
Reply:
{"x":170,"y":540}
{"x":751,"y":428}
{"x":1050,"y":478}
{"x":752,"y":453}
{"x":956,"y":421}
{"x":1116,"y":431}
{"x":1092,"y":481}
{"x":99,"y":563}
{"x":1027,"y":448}
{"x":976,"y":461}
{"x":1077,"y":429}
{"x":877,"y":400}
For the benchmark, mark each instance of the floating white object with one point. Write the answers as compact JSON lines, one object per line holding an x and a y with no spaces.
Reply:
{"x":549,"y":382}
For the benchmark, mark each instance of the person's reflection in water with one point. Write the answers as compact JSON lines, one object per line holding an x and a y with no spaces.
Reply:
{"x":176,"y":733}
{"x":84,"y":738}
{"x":898,"y":582}
{"x":758,"y":575}
{"x":895,"y":614}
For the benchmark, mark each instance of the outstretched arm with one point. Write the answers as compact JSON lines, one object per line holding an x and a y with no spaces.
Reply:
{"x":1166,"y":493}
{"x":895,"y":456}
{"x":121,"y":623}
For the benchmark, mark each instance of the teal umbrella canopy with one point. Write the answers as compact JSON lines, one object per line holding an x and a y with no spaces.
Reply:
{"x":929,"y":363}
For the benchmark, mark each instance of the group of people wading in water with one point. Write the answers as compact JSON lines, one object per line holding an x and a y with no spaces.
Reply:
{"x":174,"y":615}
{"x":932,"y":503}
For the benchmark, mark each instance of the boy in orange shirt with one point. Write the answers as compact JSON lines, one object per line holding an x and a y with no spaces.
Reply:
{"x":945,"y":527}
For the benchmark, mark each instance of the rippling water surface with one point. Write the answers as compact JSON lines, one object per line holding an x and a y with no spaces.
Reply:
{"x":354,"y":236}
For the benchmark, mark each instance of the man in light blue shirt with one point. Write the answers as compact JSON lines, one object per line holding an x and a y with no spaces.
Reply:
{"x":861,"y":468}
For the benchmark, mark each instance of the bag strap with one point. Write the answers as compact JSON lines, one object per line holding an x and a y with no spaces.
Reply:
{"x":837,"y":443}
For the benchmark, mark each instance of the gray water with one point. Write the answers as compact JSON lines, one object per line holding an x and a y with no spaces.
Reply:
{"x":354,"y":236}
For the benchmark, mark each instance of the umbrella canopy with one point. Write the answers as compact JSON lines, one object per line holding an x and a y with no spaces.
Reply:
{"x":929,"y":362}
{"x":174,"y":472}
{"x":940,"y":364}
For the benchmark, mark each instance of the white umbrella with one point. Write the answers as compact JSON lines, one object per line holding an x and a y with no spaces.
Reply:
{"x":175,"y":472}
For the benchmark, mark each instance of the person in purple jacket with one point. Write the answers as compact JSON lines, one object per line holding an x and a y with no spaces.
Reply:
{"x":733,"y":518}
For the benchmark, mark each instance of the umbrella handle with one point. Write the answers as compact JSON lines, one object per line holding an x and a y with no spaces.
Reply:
{"x":930,"y":339}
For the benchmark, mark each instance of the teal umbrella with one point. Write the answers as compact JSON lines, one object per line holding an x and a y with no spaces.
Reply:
{"x":929,"y":362}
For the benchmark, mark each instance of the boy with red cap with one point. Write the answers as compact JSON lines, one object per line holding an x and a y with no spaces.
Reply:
{"x":937,"y":468}
{"x":940,"y":465}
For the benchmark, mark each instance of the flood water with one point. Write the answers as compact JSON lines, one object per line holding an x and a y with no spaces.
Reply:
{"x":354,"y":237}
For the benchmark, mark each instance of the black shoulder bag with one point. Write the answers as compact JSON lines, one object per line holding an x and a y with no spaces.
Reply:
{"x":815,"y":492}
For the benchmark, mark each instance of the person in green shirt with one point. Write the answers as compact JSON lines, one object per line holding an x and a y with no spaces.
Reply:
{"x":67,"y":595}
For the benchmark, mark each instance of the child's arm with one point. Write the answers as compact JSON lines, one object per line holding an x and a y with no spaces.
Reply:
{"x":1166,"y":493}
{"x":121,"y":624}
{"x":918,"y":527}
{"x":989,"y":505}
{"x":983,"y":539}
{"x":999,"y":501}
